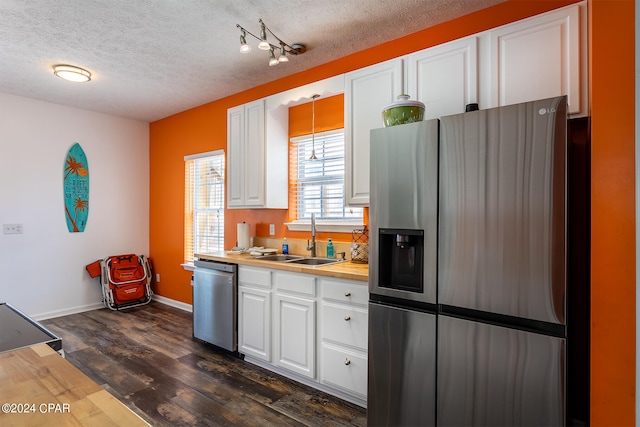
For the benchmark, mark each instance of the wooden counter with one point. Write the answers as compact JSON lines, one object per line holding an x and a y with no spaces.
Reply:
{"x":342,"y":270}
{"x":39,"y":387}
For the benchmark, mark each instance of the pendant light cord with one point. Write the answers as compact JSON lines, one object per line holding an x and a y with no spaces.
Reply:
{"x":313,"y":127}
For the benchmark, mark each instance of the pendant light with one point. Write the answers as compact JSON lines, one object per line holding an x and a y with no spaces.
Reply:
{"x":313,"y":127}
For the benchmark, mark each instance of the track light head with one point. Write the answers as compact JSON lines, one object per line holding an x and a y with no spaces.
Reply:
{"x":272,"y":59}
{"x":244,"y":46}
{"x":283,"y":54}
{"x":264,"y":44}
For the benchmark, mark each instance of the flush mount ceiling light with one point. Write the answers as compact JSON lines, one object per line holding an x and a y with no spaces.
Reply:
{"x":71,"y":73}
{"x":282,"y":48}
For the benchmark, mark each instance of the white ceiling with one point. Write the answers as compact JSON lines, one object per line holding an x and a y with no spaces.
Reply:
{"x":154,"y":58}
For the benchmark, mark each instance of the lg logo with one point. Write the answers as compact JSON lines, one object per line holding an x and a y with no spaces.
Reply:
{"x":544,"y":111}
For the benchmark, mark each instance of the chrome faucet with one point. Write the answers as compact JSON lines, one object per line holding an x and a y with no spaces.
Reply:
{"x":312,"y":246}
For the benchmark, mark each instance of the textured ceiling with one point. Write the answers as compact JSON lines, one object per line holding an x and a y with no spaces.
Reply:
{"x":154,"y":58}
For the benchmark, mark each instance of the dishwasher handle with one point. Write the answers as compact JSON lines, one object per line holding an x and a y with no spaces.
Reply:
{"x":213,"y":265}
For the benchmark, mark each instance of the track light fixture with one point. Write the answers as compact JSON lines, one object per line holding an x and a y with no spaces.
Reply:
{"x":282,"y":48}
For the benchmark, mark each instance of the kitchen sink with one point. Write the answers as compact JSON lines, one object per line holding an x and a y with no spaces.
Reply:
{"x":314,"y":262}
{"x":279,"y":257}
{"x":298,"y":259}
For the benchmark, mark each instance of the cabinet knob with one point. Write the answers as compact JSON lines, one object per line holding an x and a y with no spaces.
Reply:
{"x":347,"y":362}
{"x":347,"y":318}
{"x":347,"y":294}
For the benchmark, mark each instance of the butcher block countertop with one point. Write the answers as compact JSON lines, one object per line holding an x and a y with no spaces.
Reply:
{"x":342,"y":270}
{"x":41,"y":388}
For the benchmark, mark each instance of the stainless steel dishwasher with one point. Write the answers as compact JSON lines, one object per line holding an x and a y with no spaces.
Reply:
{"x":215,"y":304}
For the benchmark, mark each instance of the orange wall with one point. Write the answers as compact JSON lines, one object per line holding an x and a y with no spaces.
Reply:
{"x":611,"y":71}
{"x":612,"y":108}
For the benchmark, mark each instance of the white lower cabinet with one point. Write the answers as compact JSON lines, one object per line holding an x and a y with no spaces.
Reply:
{"x":254,"y":312}
{"x":281,"y":328}
{"x":294,"y":334}
{"x":294,"y":328}
{"x":344,"y":336}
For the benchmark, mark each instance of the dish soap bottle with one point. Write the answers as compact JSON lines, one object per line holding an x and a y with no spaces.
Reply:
{"x":285,"y":246}
{"x":330,"y":253}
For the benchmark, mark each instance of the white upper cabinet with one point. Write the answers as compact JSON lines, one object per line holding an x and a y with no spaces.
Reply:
{"x":539,"y":57}
{"x":445,"y":77}
{"x":235,"y":156}
{"x":254,"y":182}
{"x":367,"y":92}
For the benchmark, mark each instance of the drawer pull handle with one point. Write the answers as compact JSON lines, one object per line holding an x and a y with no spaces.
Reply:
{"x":347,"y":318}
{"x":347,"y":362}
{"x":347,"y":294}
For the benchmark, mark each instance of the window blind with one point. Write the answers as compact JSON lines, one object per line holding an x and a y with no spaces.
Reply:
{"x":317,"y":186}
{"x":204,"y":204}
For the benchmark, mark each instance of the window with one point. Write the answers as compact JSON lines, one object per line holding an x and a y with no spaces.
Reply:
{"x":204,"y":203}
{"x":317,"y":186}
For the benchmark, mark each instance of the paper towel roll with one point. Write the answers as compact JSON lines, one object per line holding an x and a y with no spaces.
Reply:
{"x":243,"y":235}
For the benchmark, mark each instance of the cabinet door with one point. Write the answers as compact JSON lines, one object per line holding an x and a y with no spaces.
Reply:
{"x":294,"y":334}
{"x":235,"y":156}
{"x":254,"y":323}
{"x":254,"y":326}
{"x":444,"y":77}
{"x":367,"y":92}
{"x":254,"y":177}
{"x":246,"y":155}
{"x":537,"y":58}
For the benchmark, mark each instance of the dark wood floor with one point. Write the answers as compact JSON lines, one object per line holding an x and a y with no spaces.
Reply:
{"x":147,"y":358}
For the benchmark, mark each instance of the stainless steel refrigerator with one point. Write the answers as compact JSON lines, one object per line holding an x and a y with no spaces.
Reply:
{"x":496,"y":352}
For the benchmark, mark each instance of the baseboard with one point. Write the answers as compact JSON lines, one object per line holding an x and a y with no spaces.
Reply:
{"x":173,"y":303}
{"x":97,"y":305}
{"x":67,"y":311}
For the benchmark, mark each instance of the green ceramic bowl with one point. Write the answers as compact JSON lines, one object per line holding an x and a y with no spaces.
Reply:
{"x":402,"y":111}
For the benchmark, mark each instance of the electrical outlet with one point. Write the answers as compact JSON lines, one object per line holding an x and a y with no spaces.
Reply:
{"x":12,"y":228}
{"x":157,"y":277}
{"x":272,"y":229}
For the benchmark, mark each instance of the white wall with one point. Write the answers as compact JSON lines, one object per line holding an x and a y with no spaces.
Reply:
{"x":42,"y":271}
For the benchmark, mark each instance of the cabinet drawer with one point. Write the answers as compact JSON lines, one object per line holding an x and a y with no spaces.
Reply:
{"x":345,"y":292}
{"x":344,"y":369}
{"x":292,"y":283}
{"x":249,"y":276}
{"x":345,"y":325}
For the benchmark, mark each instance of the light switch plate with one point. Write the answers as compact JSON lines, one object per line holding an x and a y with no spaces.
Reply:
{"x":12,"y":228}
{"x":272,"y":229}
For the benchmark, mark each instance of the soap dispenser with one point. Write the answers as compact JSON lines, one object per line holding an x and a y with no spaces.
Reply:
{"x":330,"y":252}
{"x":285,"y":246}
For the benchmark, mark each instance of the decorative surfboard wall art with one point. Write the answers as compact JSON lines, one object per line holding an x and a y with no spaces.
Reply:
{"x":76,"y":189}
